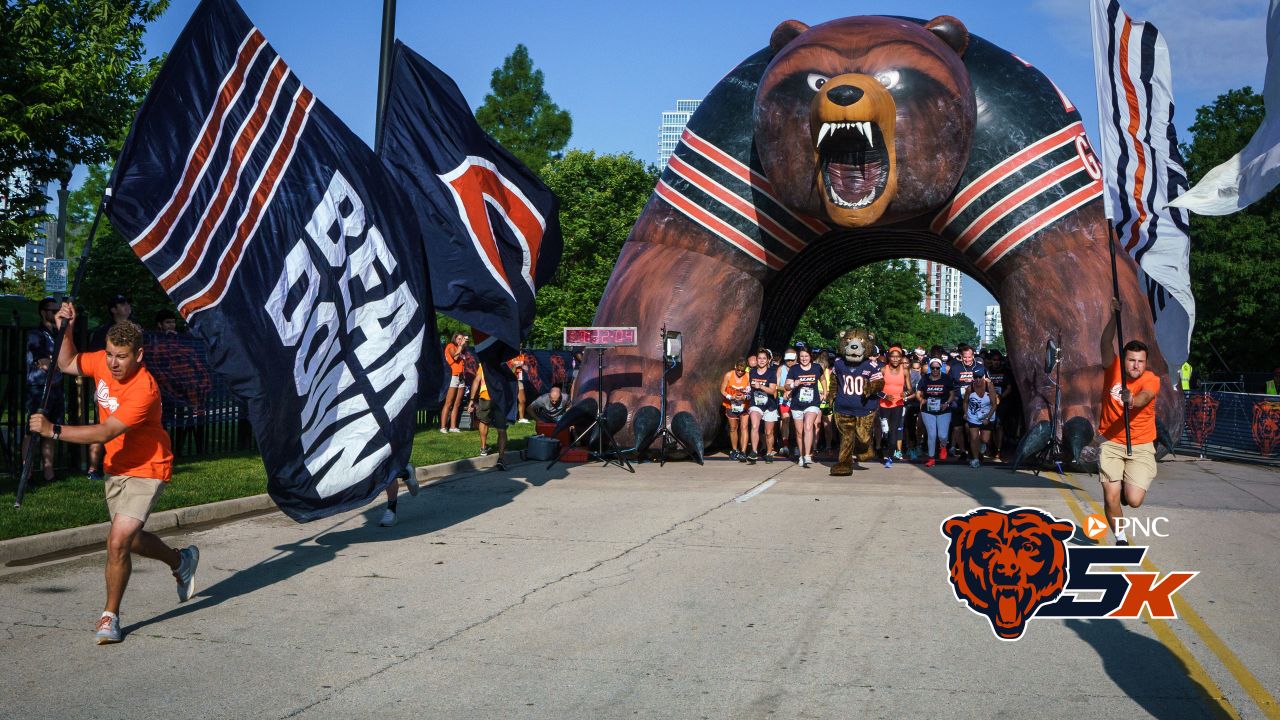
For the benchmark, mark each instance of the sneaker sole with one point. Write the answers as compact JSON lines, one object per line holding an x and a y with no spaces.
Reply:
{"x":191,"y":582}
{"x":108,"y":641}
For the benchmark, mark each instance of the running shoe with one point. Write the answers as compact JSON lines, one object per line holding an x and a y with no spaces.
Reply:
{"x":914,"y":454}
{"x":942,"y":454}
{"x":1122,"y":543}
{"x":500,"y":466}
{"x":929,"y":463}
{"x":96,"y":477}
{"x":454,"y":430}
{"x":807,"y":461}
{"x":388,"y":518}
{"x":888,"y":462}
{"x":769,"y":458}
{"x":410,"y":480}
{"x":186,"y":572}
{"x":742,"y":457}
{"x":444,"y":430}
{"x":800,"y":461}
{"x":484,"y":451}
{"x":975,"y":463}
{"x":751,"y":456}
{"x":522,"y":421}
{"x":897,"y":455}
{"x":108,"y":630}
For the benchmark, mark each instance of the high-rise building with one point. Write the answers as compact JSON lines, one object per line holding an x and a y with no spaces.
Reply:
{"x":991,"y":327}
{"x":942,"y":288}
{"x":35,"y":252}
{"x":672,"y":125}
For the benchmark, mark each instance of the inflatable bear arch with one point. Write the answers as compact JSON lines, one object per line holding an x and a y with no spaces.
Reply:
{"x":860,"y":140}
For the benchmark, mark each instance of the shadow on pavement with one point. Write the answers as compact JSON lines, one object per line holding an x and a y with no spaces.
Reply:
{"x":1146,"y":671}
{"x":437,"y":507}
{"x":984,"y":484}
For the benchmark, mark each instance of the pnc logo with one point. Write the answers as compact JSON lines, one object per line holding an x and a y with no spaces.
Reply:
{"x":1095,"y":526}
{"x":1011,"y":566}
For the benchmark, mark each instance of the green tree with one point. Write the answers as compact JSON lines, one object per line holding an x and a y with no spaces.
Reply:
{"x":520,"y":115}
{"x":882,"y":297}
{"x":1235,"y":263}
{"x":71,"y":75}
{"x":601,"y":197}
{"x":997,"y":343}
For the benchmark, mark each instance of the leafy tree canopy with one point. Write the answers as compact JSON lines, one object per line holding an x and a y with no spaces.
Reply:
{"x":601,"y":197}
{"x":520,"y":115}
{"x":1235,"y":259}
{"x":71,"y":76}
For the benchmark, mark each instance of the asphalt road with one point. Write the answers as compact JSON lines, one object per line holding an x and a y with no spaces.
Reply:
{"x":587,"y":592}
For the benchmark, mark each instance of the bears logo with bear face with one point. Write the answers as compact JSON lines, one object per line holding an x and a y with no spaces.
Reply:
{"x":1005,"y":565}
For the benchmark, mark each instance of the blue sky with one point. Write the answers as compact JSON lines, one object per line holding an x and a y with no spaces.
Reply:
{"x":617,"y":66}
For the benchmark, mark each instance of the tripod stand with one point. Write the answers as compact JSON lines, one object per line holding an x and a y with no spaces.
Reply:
{"x":605,"y":450}
{"x":670,"y":361}
{"x":1052,"y":451}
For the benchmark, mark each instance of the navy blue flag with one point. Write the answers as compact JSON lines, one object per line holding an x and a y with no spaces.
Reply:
{"x":284,"y":243}
{"x":491,"y":228}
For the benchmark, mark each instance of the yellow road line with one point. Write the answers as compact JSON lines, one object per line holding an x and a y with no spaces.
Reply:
{"x":1215,"y":700}
{"x":1265,"y":701}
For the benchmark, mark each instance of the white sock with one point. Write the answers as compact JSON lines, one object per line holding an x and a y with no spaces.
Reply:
{"x":108,"y":613}
{"x":1120,"y":536}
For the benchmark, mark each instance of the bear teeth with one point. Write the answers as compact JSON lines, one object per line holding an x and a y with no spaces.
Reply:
{"x":863,"y":128}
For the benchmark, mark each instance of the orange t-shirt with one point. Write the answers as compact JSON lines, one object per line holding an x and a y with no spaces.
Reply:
{"x":733,"y":385}
{"x":1142,"y":424}
{"x":144,"y":450}
{"x":455,"y":365}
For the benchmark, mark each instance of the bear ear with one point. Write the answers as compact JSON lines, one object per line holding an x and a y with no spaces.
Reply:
{"x":949,"y":30}
{"x":954,"y":527}
{"x":786,"y":31}
{"x":1062,"y":530}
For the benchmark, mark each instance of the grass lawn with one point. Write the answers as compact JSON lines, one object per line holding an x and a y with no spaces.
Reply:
{"x":73,"y":500}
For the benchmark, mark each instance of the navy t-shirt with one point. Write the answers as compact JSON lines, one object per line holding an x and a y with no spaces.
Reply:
{"x":850,"y":381}
{"x":936,"y":393}
{"x":804,"y":392}
{"x":962,"y":375}
{"x":759,"y":398}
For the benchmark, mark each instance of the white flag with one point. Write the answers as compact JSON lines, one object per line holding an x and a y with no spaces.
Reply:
{"x":1255,"y":170}
{"x":1142,"y":167}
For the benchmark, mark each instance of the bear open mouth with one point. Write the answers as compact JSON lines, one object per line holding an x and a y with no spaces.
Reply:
{"x":854,"y":161}
{"x":1008,"y":602}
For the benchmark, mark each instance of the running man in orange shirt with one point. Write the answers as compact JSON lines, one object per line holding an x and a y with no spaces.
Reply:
{"x":138,"y":464}
{"x":1126,"y":476}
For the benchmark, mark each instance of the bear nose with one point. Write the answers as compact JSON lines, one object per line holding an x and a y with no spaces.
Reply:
{"x":845,"y":95}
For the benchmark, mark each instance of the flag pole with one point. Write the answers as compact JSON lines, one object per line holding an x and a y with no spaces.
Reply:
{"x":1115,"y":293}
{"x":28,"y":460}
{"x":384,"y":66}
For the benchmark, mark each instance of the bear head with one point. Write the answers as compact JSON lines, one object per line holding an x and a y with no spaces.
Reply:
{"x":1005,"y":565}
{"x":856,"y":345}
{"x":865,"y":120}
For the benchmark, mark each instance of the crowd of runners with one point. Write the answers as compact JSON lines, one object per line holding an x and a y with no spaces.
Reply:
{"x":935,"y":406}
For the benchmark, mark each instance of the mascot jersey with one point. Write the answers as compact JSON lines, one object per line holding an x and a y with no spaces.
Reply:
{"x":804,"y":391}
{"x":850,"y":381}
{"x":759,"y":398}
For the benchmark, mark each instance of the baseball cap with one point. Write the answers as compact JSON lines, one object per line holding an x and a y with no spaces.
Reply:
{"x":920,"y":351}
{"x":117,"y":299}
{"x":935,"y":361}
{"x":789,"y":356}
{"x":801,"y":345}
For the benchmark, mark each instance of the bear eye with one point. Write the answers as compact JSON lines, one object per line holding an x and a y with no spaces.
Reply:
{"x":816,"y":81}
{"x":888,"y":78}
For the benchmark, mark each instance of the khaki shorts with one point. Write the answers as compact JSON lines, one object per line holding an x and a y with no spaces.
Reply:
{"x":489,"y":415}
{"x":1138,"y":469}
{"x":132,"y":496}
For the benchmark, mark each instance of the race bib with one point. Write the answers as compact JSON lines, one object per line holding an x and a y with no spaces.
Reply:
{"x":760,"y":399}
{"x":735,"y":407}
{"x":933,"y":405}
{"x":806,"y":394}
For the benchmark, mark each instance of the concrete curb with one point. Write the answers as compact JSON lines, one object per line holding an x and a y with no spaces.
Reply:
{"x":90,"y":538}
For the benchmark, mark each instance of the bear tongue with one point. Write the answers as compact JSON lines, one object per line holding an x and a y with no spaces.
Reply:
{"x":1007,"y":607}
{"x":853,"y":183}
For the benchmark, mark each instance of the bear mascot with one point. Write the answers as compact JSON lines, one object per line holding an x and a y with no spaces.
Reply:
{"x":858,"y":382}
{"x":864,"y":139}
